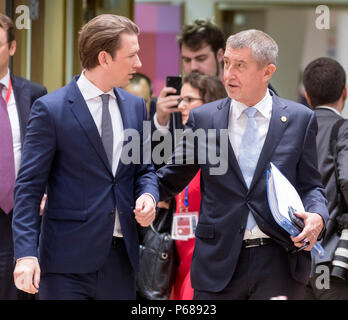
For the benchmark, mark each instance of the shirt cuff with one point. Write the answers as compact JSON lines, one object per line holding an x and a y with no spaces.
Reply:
{"x":160,"y":128}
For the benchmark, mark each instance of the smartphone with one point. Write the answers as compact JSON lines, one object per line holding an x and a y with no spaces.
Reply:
{"x":298,"y":222}
{"x":174,"y":82}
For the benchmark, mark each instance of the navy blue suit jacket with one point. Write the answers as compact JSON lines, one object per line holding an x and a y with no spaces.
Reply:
{"x":25,"y":92}
{"x":226,"y":200}
{"x":64,"y":154}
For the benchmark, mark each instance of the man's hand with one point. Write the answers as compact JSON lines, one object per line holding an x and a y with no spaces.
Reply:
{"x":313,"y":225}
{"x":166,"y":105}
{"x":145,"y":210}
{"x":27,"y":275}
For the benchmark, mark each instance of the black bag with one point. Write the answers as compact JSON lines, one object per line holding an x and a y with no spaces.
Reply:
{"x":158,"y":259}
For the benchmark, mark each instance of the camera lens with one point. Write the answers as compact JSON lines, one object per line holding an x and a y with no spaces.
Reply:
{"x":340,"y":261}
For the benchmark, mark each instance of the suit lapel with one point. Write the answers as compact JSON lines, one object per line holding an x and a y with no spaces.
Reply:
{"x":126,"y":121}
{"x":126,"y":116}
{"x":221,"y":122}
{"x":81,"y":112}
{"x":22,"y":97}
{"x":278,"y":123}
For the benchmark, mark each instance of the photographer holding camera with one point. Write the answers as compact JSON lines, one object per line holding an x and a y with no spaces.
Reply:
{"x":324,"y":80}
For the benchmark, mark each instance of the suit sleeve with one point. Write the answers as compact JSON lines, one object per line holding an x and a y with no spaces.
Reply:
{"x":183,"y":166}
{"x":342,"y":160}
{"x":37,"y":92}
{"x":308,"y":177}
{"x":37,"y":156}
{"x":145,"y":178}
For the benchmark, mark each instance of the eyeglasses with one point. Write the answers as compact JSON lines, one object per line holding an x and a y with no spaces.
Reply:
{"x":188,"y":100}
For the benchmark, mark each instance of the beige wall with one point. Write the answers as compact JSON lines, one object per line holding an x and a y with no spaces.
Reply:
{"x":19,"y":59}
{"x":342,"y":47}
{"x":3,"y":6}
{"x":54,"y":45}
{"x":290,"y":42}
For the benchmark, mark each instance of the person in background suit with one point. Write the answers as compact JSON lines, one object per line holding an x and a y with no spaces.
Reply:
{"x":88,"y":246}
{"x":240,"y":251}
{"x":16,"y":99}
{"x":326,"y":92}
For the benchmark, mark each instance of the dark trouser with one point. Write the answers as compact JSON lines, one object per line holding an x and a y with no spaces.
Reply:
{"x":336,"y":291}
{"x":8,"y":290}
{"x":114,"y":281}
{"x":262,"y":272}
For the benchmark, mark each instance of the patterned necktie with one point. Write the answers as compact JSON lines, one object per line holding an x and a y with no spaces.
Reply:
{"x":249,"y":153}
{"x":7,"y":167}
{"x":107,"y":134}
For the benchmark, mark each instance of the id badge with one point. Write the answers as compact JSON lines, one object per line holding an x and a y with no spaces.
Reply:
{"x":184,"y":225}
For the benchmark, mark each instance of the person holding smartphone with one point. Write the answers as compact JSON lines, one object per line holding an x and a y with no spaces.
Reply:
{"x":202,"y":46}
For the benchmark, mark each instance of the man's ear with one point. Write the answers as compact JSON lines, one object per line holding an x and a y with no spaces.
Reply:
{"x":269,"y":70}
{"x":104,"y":59}
{"x":13,"y":47}
{"x":344,"y":92}
{"x":220,"y":55}
{"x":307,"y":98}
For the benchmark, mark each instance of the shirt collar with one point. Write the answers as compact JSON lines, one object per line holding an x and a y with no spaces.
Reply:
{"x":6,"y":80}
{"x":329,"y":108}
{"x":89,"y":90}
{"x":264,"y":106}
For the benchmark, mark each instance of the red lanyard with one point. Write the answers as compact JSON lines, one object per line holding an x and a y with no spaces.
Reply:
{"x":8,"y":95}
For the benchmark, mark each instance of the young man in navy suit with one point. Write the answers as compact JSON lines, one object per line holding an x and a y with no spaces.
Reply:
{"x":88,"y":246}
{"x":16,"y":98}
{"x":240,"y":252}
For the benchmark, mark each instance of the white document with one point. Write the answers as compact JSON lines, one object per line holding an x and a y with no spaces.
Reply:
{"x":286,"y":194}
{"x":282,"y":195}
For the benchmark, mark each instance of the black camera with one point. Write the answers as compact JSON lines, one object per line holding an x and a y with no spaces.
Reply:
{"x":340,"y":261}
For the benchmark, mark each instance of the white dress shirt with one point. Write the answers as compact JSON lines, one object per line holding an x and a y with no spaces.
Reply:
{"x":92,"y":94}
{"x":162,"y":129}
{"x":236,"y":126}
{"x":14,"y":121}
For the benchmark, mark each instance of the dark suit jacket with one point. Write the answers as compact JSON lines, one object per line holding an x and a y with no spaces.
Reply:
{"x":226,"y":200}
{"x":326,"y":120}
{"x":25,"y":92}
{"x":63,"y":151}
